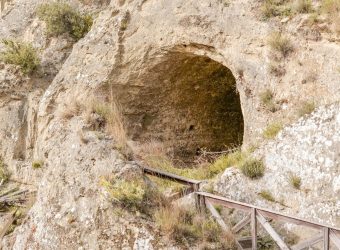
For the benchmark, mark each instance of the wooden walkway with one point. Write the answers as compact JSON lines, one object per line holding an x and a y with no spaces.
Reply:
{"x":254,"y":216}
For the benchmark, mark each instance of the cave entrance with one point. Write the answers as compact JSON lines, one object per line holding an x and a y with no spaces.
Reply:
{"x":188,"y":102}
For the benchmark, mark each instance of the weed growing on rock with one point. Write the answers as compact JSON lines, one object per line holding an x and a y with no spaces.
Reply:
{"x":306,"y":108}
{"x":272,"y":130}
{"x":295,"y":181}
{"x":37,"y":164}
{"x":21,"y":54}
{"x":61,"y":18}
{"x":252,"y":168}
{"x":267,"y":100}
{"x":4,"y":174}
{"x":280,"y":43}
{"x":134,"y":194}
{"x":265,"y":194}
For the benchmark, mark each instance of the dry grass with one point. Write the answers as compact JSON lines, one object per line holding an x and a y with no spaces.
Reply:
{"x":280,"y":43}
{"x":295,"y":181}
{"x":272,"y":8}
{"x":108,"y":116}
{"x":268,"y":101}
{"x":272,"y":130}
{"x":332,"y":9}
{"x":267,"y":195}
{"x":73,"y":109}
{"x":277,"y":69}
{"x":306,"y":108}
{"x":303,"y":6}
{"x":185,"y":227}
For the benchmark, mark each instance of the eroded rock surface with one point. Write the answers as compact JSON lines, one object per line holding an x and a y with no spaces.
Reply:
{"x":127,"y":41}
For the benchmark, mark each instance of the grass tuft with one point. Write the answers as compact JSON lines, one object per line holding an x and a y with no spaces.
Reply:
{"x":61,"y":18}
{"x":272,"y":130}
{"x":37,"y":164}
{"x":267,"y":100}
{"x":267,"y":195}
{"x":253,"y":168}
{"x":306,"y":108}
{"x":21,"y":54}
{"x":280,"y":43}
{"x":295,"y":181}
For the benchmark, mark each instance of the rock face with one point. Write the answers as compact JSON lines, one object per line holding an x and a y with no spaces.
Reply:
{"x":120,"y":57}
{"x":308,"y":149}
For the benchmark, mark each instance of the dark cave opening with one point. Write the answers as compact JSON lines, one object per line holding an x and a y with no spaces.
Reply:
{"x":188,"y":102}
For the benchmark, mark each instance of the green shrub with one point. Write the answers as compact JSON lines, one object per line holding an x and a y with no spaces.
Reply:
{"x":61,"y":18}
{"x":265,"y":243}
{"x":267,"y":100}
{"x":306,"y":108}
{"x":4,"y":174}
{"x":272,"y":130}
{"x":295,"y":181}
{"x":37,"y":164}
{"x":252,"y":168}
{"x":134,"y":195}
{"x":265,"y":194}
{"x":21,"y":54}
{"x":280,"y":43}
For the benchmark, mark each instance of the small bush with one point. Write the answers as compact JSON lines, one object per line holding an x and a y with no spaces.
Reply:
{"x":272,"y":8}
{"x":295,"y":181}
{"x":21,"y":54}
{"x":280,"y":43}
{"x":61,"y":18}
{"x":252,"y":168}
{"x":4,"y":174}
{"x":37,"y":164}
{"x":272,"y":130}
{"x":306,"y":108}
{"x":265,"y":194}
{"x":134,"y":194}
{"x":304,"y":6}
{"x":267,"y":100}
